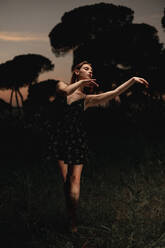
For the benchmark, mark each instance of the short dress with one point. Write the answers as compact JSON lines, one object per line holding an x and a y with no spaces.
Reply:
{"x":70,"y":141}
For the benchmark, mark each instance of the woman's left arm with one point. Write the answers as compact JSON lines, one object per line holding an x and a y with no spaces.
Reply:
{"x":94,"y":100}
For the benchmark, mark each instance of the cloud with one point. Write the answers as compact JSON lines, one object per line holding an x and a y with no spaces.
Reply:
{"x":22,"y":36}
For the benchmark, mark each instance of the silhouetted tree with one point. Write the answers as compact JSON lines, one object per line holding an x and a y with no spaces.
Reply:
{"x":40,"y":98}
{"x":21,"y":71}
{"x":108,"y":39}
{"x":38,"y":107}
{"x":91,"y":21}
{"x":41,"y":111}
{"x":40,"y":93}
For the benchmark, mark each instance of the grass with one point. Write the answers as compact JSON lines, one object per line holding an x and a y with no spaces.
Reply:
{"x":122,"y":201}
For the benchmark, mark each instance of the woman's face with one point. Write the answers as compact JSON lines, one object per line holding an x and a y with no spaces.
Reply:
{"x":85,"y":72}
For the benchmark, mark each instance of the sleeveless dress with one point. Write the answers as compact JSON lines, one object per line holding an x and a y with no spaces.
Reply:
{"x":70,"y":143}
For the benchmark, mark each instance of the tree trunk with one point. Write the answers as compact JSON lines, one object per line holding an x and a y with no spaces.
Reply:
{"x":20,"y":94}
{"x":11,"y":97}
{"x":16,"y":97}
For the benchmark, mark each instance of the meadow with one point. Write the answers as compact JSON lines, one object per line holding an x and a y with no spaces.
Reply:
{"x":122,"y":201}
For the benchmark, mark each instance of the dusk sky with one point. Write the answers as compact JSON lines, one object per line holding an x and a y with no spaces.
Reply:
{"x":25,"y":25}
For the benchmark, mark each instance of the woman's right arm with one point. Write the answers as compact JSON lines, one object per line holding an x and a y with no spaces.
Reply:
{"x":68,"y":89}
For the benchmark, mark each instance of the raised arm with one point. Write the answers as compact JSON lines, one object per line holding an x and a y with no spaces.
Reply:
{"x":68,"y":89}
{"x":94,"y":100}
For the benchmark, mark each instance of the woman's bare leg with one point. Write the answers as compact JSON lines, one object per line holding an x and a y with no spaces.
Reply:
{"x":71,"y":176}
{"x":63,"y":169}
{"x":74,"y":175}
{"x":64,"y":173}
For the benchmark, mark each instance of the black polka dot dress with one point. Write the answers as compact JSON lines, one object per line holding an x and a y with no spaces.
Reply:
{"x":70,"y":144}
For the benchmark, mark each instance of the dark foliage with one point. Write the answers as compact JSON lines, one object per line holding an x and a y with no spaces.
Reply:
{"x":22,"y":70}
{"x":91,"y":21}
{"x":41,"y":92}
{"x":117,"y":48}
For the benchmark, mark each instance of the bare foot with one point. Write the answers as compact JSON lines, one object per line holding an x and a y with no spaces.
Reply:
{"x":72,"y":226}
{"x":74,"y":229}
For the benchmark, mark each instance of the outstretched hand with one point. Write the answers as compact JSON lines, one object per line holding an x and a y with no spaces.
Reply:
{"x":89,"y":82}
{"x":141,"y":81}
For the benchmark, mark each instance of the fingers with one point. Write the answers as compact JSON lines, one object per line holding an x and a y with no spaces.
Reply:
{"x":91,"y":82}
{"x":94,"y":84}
{"x":143,"y":81}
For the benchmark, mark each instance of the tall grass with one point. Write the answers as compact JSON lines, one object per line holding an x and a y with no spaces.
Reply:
{"x":122,"y":201}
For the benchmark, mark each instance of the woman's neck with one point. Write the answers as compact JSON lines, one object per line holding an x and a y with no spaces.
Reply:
{"x":81,"y":87}
{"x":79,"y":90}
{"x":78,"y":94}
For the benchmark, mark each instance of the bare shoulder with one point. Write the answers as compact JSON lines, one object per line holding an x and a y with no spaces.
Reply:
{"x":61,"y":85}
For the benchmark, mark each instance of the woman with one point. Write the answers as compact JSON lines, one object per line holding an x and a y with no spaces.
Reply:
{"x":72,"y":144}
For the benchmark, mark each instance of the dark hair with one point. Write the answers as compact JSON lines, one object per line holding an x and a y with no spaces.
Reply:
{"x":77,"y":67}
